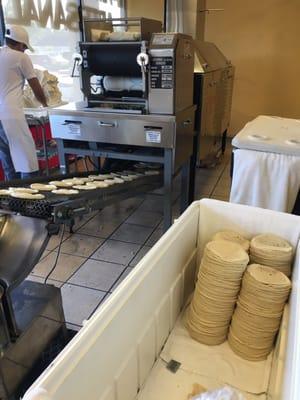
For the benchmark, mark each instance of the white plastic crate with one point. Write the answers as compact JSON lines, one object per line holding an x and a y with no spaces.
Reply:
{"x":112,"y":357}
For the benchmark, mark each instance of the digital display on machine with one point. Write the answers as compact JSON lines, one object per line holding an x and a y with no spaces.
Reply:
{"x":163,"y":39}
{"x":161,"y":73}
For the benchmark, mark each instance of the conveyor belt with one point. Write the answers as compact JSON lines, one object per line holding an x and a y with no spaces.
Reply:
{"x":63,"y":208}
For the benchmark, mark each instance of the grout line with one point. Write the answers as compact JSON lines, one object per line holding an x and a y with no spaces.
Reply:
{"x":105,"y":240}
{"x":87,"y":287}
{"x":128,"y":265}
{"x":108,"y":262}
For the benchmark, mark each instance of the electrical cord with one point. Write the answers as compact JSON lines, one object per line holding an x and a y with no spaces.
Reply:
{"x":92,"y":162}
{"x":86,"y":166}
{"x":57,"y":255}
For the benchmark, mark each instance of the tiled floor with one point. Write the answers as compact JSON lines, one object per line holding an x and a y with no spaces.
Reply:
{"x":107,"y":245}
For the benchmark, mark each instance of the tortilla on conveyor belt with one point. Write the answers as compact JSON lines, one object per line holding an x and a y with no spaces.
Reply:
{"x":85,"y":179}
{"x":110,"y":182}
{"x":22,"y":190}
{"x":5,"y":192}
{"x":128,"y":178}
{"x":118,"y":180}
{"x":27,"y":196}
{"x":74,"y":181}
{"x":42,"y":187}
{"x":65,"y":191}
{"x":62,"y":184}
{"x":100,"y":177}
{"x":98,"y":184}
{"x":149,"y":173}
{"x":85,"y":187}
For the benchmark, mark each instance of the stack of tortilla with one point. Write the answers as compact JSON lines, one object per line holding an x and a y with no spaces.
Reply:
{"x":257,"y":317}
{"x":272,"y":251}
{"x":219,"y":280}
{"x":233,"y":236}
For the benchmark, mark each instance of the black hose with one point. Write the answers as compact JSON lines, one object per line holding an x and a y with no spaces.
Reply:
{"x":57,"y":255}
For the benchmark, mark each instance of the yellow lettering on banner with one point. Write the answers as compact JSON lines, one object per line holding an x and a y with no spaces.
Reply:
{"x":45,"y":13}
{"x":30,"y":13}
{"x":59,"y":16}
{"x":23,"y":13}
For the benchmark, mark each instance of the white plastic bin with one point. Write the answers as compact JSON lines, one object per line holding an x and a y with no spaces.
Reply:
{"x":116,"y":354}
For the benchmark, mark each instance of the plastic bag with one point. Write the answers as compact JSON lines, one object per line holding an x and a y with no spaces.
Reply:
{"x":225,"y":393}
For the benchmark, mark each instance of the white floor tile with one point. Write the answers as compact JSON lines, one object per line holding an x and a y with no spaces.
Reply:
{"x":81,"y":245}
{"x":156,"y":235}
{"x":116,"y":252}
{"x":144,"y":250}
{"x":79,"y":302}
{"x":97,"y":275}
{"x":122,"y":277}
{"x":66,"y":266}
{"x":100,"y":227}
{"x":144,"y":218}
{"x":132,"y":233}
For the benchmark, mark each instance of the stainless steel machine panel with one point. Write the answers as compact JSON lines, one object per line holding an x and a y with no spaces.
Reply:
{"x":213,"y":89}
{"x":141,"y":130}
{"x":185,"y":122}
{"x":170,"y":73}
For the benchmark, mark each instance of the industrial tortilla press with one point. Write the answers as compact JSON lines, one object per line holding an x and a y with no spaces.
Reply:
{"x":138,"y":89}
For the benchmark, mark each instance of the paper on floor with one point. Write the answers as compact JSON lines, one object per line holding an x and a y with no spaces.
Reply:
{"x":216,"y":361}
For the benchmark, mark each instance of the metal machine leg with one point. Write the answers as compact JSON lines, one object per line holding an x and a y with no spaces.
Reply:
{"x":168,"y":178}
{"x":63,"y":158}
{"x":45,"y":148}
{"x":185,"y":183}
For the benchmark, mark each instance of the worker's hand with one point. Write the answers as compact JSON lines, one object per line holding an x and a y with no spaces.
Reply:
{"x":38,"y":91}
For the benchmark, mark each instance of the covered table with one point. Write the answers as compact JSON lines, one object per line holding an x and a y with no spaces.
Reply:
{"x":266,"y":169}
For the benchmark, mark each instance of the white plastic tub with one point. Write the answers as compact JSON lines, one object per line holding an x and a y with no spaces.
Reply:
{"x":117,"y":354}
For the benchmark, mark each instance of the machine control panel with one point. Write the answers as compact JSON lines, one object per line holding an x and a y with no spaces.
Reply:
{"x":163,"y":39}
{"x":161,"y":73}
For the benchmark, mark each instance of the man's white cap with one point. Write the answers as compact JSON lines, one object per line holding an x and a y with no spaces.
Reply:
{"x":18,"y":34}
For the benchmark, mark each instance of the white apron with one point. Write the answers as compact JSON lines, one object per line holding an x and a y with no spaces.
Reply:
{"x":15,"y":68}
{"x":21,"y":144}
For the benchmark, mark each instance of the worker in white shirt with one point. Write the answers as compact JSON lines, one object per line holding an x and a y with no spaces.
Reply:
{"x":17,"y":148}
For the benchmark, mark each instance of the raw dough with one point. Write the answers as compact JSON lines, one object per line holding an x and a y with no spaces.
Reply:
{"x":49,"y":83}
